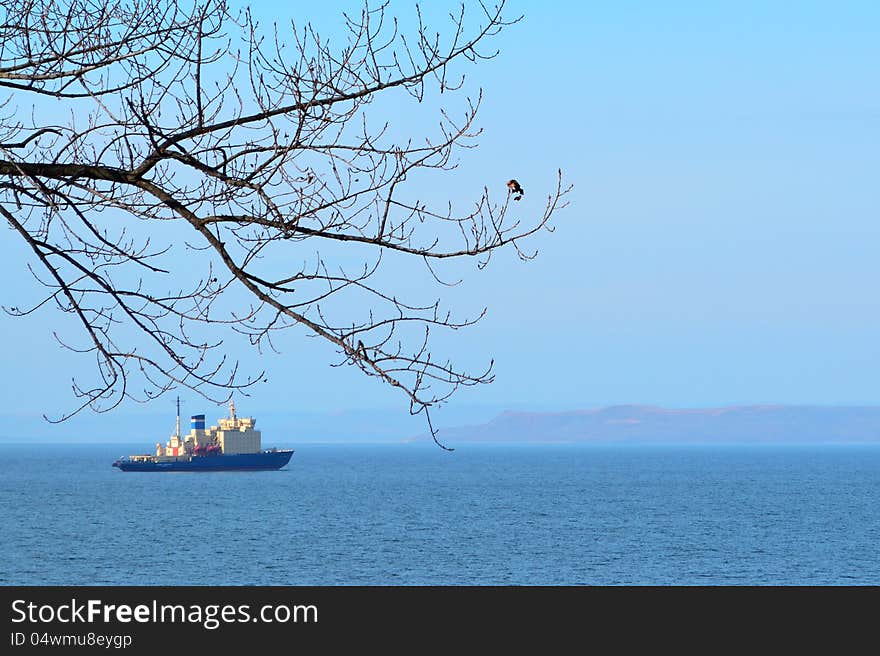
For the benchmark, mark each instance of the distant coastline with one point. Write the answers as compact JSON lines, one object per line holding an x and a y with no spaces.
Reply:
{"x":615,"y":424}
{"x":749,"y":424}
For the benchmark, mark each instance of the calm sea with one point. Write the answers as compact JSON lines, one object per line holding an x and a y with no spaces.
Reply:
{"x":408,"y":514}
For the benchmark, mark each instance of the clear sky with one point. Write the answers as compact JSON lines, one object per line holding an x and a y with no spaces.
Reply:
{"x":722,"y":242}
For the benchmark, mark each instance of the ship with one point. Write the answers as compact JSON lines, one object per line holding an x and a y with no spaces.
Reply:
{"x":233,"y":444}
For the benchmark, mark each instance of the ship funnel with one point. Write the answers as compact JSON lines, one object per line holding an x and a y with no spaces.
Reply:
{"x":197,"y":422}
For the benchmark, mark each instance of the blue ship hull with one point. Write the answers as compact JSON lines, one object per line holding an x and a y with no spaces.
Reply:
{"x":264,"y":460}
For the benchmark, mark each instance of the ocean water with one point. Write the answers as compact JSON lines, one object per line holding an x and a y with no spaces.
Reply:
{"x":410,"y":514}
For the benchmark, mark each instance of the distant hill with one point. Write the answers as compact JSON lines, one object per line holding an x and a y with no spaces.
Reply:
{"x":755,"y":424}
{"x":614,"y":424}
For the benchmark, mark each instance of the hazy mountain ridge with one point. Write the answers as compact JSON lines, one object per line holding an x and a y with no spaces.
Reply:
{"x":610,"y":424}
{"x":642,"y":423}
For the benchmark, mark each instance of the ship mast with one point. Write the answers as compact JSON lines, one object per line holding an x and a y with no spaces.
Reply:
{"x":178,"y":417}
{"x":232,"y":409}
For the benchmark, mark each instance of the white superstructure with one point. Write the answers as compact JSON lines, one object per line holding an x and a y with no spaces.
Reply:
{"x":231,"y":435}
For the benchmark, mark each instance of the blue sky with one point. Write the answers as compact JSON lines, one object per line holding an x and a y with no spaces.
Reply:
{"x":721,"y":246}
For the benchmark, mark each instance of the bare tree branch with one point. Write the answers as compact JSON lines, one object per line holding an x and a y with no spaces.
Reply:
{"x":191,"y":119}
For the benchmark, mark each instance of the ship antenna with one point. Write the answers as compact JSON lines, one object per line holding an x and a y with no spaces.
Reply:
{"x":232,"y":409}
{"x":178,"y":417}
